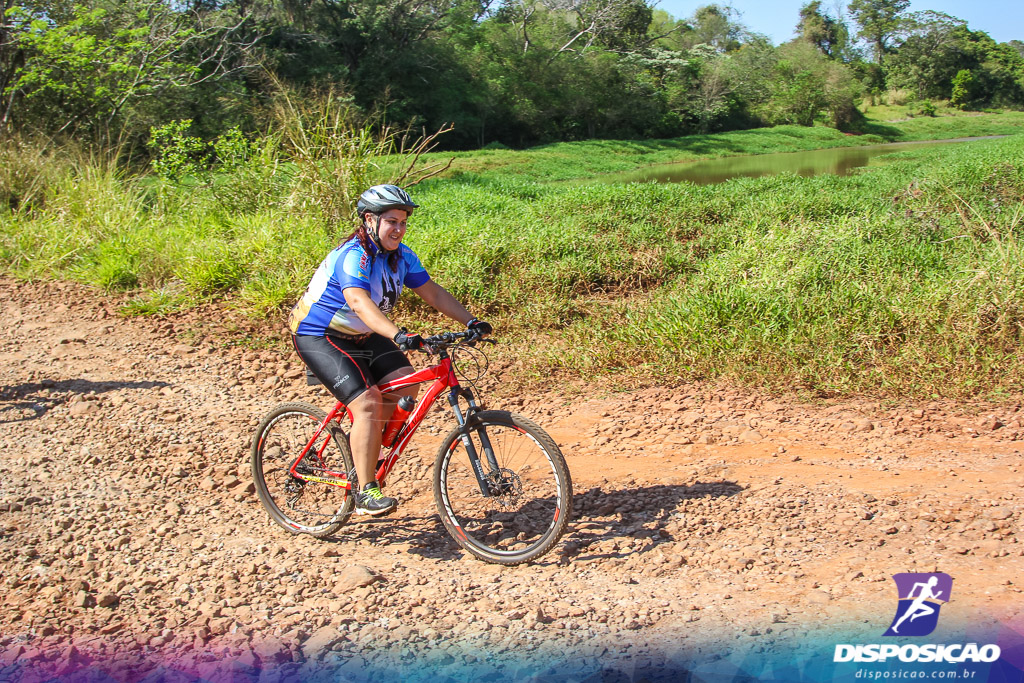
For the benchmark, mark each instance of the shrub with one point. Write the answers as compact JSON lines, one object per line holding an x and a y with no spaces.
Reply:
{"x":27,"y":169}
{"x":178,"y":154}
{"x":898,"y":97}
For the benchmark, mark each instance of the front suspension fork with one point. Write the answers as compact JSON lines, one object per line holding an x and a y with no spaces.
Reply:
{"x":463,"y":421}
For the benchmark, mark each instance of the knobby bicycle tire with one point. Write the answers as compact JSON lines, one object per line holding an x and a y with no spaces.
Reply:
{"x":301,"y":507}
{"x":533,"y":501}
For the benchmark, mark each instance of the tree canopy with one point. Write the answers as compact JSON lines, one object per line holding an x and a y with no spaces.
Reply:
{"x":879,"y":21}
{"x":510,"y":72}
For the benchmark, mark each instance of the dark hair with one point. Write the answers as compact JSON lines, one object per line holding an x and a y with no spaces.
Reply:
{"x":363,"y":236}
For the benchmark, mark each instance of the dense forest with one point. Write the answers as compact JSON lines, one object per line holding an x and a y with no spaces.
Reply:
{"x":504,"y":73}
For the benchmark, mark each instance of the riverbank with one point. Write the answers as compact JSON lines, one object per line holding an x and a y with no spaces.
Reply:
{"x":903,"y":280}
{"x":581,"y":160}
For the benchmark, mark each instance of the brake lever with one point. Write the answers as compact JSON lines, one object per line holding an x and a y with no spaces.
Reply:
{"x":426,"y":348}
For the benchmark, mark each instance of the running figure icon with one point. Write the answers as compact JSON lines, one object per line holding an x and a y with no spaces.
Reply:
{"x":918,"y":608}
{"x":920,"y":598}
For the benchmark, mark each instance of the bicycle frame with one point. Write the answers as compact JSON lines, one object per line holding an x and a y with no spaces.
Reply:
{"x":443,"y":377}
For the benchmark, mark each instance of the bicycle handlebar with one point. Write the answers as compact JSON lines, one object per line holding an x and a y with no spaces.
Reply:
{"x":446,"y":339}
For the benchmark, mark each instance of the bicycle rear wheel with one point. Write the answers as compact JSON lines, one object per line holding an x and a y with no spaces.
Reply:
{"x":530,"y":498}
{"x":301,"y":507}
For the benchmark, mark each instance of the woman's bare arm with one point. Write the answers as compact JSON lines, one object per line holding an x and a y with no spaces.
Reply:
{"x":438,"y":297}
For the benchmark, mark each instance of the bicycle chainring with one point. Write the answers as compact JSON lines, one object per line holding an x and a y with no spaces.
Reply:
{"x":295,"y":487}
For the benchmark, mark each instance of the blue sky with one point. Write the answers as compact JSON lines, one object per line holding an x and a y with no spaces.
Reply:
{"x":1001,"y":19}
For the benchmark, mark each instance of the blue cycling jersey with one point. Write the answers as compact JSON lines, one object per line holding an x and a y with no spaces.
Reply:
{"x":323,"y":306}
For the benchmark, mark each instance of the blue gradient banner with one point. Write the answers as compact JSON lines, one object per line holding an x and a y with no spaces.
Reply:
{"x":623,"y":658}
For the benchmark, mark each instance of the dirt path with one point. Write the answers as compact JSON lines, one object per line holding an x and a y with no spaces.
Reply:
{"x":132,"y":540}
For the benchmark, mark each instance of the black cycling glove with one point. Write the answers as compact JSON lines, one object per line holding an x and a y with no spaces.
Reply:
{"x":479,"y":326}
{"x":408,"y":342}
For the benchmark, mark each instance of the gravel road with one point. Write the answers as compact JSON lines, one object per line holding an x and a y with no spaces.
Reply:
{"x":706,"y":518}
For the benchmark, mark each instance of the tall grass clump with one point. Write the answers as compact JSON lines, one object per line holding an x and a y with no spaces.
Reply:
{"x":247,"y":215}
{"x":334,"y":155}
{"x":71,"y":218}
{"x":26,"y":170}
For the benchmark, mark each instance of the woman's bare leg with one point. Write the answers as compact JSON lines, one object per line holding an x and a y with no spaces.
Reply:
{"x":367,"y":411}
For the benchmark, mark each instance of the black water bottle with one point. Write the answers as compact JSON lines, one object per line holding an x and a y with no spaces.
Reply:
{"x":397,"y":420}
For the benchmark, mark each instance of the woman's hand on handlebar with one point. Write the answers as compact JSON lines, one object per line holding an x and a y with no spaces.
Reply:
{"x":480,"y":327}
{"x":408,"y":342}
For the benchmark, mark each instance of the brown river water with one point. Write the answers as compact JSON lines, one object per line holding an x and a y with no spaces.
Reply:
{"x":836,"y":161}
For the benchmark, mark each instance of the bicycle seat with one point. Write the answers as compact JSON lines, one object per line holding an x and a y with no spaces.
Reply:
{"x":311,"y":379}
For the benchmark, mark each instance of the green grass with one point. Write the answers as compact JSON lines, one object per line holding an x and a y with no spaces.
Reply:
{"x":902,"y":280}
{"x":907,"y":279}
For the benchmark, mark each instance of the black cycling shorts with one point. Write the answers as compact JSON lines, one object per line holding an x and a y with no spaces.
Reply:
{"x":346,"y":366}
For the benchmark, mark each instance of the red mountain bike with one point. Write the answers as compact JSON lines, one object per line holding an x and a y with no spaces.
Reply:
{"x":500,"y":482}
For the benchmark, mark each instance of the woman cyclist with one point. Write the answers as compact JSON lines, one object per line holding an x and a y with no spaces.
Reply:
{"x":341,"y":331}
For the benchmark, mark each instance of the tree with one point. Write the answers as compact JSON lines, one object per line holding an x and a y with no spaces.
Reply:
{"x":615,"y":24}
{"x":409,"y":60}
{"x":930,"y":52}
{"x":665,"y":31}
{"x":697,"y":87}
{"x":715,"y":25}
{"x":85,"y":73}
{"x":879,"y":21}
{"x":935,"y":47}
{"x":750,"y":74}
{"x":536,"y":75}
{"x":806,"y":85}
{"x":11,"y":59}
{"x":711,"y":98}
{"x":827,"y":34}
{"x":12,"y":53}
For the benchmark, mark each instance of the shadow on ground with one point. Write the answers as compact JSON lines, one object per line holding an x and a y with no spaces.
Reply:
{"x":425,"y":536}
{"x":631,"y":511}
{"x":32,"y":400}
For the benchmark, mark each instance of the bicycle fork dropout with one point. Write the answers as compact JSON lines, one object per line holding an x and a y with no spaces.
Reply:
{"x":465,"y":423}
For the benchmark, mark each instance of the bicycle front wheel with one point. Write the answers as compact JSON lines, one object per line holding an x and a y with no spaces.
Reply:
{"x":529,"y":498}
{"x":318,"y":508}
